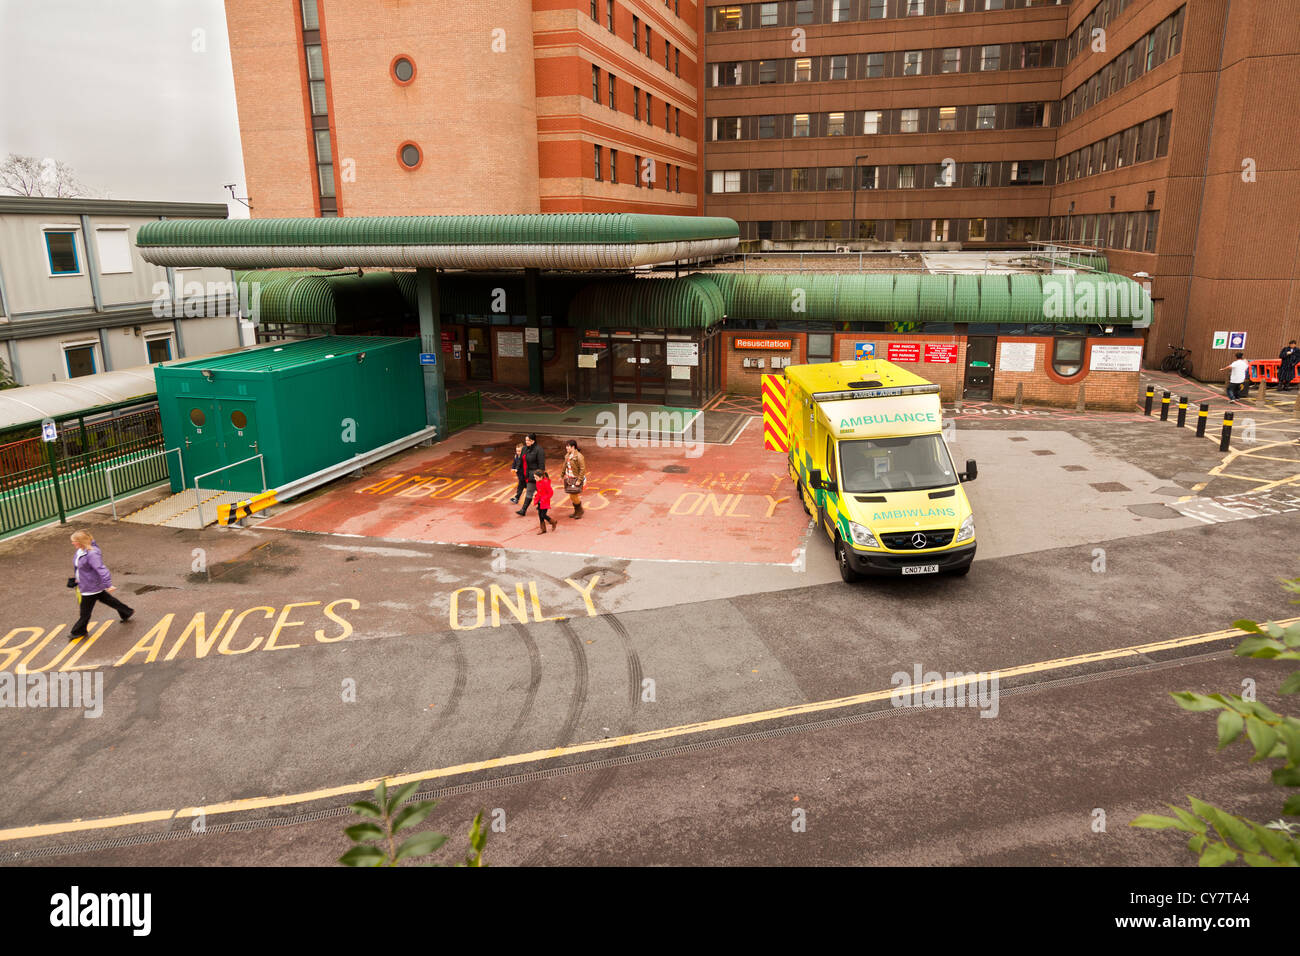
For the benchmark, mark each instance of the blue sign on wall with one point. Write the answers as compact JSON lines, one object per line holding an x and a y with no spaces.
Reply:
{"x":864,"y":350}
{"x":1236,"y":340}
{"x":428,"y":358}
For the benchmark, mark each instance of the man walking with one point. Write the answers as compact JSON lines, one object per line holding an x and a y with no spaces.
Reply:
{"x":1237,"y":377}
{"x":534,"y":463}
{"x":93,"y":583}
{"x":1286,"y":373}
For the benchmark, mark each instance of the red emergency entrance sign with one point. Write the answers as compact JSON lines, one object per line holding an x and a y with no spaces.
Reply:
{"x":904,"y":352}
{"x":945,"y":354}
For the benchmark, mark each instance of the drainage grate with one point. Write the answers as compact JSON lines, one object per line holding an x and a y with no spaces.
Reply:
{"x":1043,"y":451}
{"x":1074,"y":468}
{"x":1110,"y":486}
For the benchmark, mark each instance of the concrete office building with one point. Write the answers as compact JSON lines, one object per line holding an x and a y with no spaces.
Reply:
{"x":76,"y":297}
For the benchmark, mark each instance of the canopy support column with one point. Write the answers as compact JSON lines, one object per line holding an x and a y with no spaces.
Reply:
{"x":534,"y":349}
{"x":435,"y":389}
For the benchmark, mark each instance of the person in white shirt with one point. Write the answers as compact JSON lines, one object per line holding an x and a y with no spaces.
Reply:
{"x":1237,"y":377}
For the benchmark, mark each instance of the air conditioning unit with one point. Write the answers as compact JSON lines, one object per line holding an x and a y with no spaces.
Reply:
{"x":841,"y":248}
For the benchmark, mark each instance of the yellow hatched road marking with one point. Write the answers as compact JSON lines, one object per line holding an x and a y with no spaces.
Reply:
{"x":648,"y":736}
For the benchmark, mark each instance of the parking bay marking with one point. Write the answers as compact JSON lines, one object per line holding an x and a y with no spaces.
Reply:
{"x":665,"y":733}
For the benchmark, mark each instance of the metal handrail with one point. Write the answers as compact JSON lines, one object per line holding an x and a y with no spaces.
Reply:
{"x":198,"y":501}
{"x":108,"y":472}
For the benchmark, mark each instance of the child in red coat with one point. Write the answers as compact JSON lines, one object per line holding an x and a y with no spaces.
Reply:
{"x":544,"y":493}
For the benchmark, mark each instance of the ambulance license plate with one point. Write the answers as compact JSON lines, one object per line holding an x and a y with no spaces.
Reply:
{"x":920,"y":569}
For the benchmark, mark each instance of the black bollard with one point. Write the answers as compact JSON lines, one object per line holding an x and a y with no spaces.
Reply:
{"x":1201,"y":418}
{"x":1182,"y":411}
{"x":1151,"y":397}
{"x":1164,"y":408}
{"x":1227,"y":431}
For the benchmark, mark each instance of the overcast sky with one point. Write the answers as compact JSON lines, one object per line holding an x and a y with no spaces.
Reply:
{"x":125,"y":91}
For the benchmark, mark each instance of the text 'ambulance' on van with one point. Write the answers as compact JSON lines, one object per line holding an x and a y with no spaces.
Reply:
{"x":867,"y":451}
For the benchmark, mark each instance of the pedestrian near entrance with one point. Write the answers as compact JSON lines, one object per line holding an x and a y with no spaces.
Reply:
{"x":517,"y":466}
{"x":534,"y":462}
{"x":544,"y":495}
{"x":93,"y":583}
{"x":575,"y":475}
{"x":1237,"y":377}
{"x":1286,"y":373}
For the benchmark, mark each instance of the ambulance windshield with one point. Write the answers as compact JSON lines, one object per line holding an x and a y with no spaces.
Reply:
{"x":895,"y":464}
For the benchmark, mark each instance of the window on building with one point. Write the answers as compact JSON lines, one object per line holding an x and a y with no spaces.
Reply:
{"x":726,"y":74}
{"x":947,"y":119}
{"x":875,"y":65}
{"x":1162,"y":134}
{"x":677,"y":62}
{"x":1029,"y":114}
{"x":310,"y":15}
{"x":609,"y":16}
{"x":599,"y":160}
{"x":668,"y":55}
{"x":767,"y":71}
{"x":113,"y":246}
{"x":954,"y":6}
{"x":909,"y":121}
{"x":912,"y":63}
{"x":803,"y":70}
{"x":636,"y":33}
{"x":1027,"y":173}
{"x":839,"y":11}
{"x":835,"y":177}
{"x":802,"y":126}
{"x":875,"y":9}
{"x":677,"y":121}
{"x":951,"y":60}
{"x":990,"y":57}
{"x":595,"y":83}
{"x":1067,"y":355}
{"x":1150,"y":53}
{"x":613,"y":86}
{"x":902,"y":230}
{"x":994,"y":5}
{"x":981,"y":174}
{"x":945,"y":174}
{"x":324,"y":163}
{"x":767,"y":14}
{"x":80,"y":358}
{"x":158,"y":348}
{"x":766,"y":127}
{"x":316,"y":79}
{"x":986,"y":117}
{"x":61,"y":252}
{"x":834,"y":124}
{"x":727,"y":127}
{"x":648,"y":43}
{"x":767,"y":180}
{"x":907,"y":177}
{"x":649,"y":109}
{"x":1153,"y":218}
{"x":636,"y":170}
{"x":873,"y":121}
{"x":977,"y":230}
{"x":613,"y":165}
{"x":868,"y":229}
{"x":668,"y":118}
{"x":636,"y":102}
{"x":916,"y":8}
{"x":803,"y":11}
{"x":726,"y":181}
{"x":800,"y":179}
{"x":868,"y":177}
{"x":595,"y":13}
{"x":938,"y":230}
{"x":839,"y":67}
{"x":765,"y":229}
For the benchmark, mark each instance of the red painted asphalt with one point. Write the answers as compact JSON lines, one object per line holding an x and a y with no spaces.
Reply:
{"x":731,"y":503}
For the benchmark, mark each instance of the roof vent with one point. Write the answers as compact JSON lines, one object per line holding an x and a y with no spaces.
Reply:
{"x":871,"y":383}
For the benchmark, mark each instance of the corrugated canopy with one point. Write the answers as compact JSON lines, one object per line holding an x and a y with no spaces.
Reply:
{"x":553,"y":241}
{"x":691,"y":302}
{"x":33,"y":403}
{"x":282,"y":355}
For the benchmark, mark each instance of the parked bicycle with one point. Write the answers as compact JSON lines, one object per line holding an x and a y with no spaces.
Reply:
{"x":1178,"y":361}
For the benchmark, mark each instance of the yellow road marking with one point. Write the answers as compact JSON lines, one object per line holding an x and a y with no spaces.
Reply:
{"x":625,"y":740}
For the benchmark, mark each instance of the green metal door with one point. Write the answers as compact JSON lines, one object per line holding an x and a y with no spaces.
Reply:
{"x":200,"y":441}
{"x":240,"y":441}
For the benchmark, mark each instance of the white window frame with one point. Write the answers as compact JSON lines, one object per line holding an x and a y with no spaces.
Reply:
{"x":99,"y":250}
{"x":160,"y":335}
{"x":839,"y":11}
{"x":984,"y":57}
{"x":872,"y":126}
{"x":77,"y":240}
{"x":943,"y":60}
{"x":794,"y":127}
{"x":830,"y":124}
{"x":915,"y":121}
{"x":764,"y":9}
{"x":803,"y":63}
{"x":979,"y":123}
{"x":726,"y":180}
{"x":908,"y":61}
{"x":95,"y":355}
{"x":939,"y":233}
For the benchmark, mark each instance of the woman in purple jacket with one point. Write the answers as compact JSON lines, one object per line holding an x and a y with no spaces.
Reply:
{"x":93,"y":583}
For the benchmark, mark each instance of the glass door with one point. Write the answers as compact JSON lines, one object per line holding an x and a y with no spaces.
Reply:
{"x":625,"y":369}
{"x":480,"y":353}
{"x":980,"y":350}
{"x":653,"y":369}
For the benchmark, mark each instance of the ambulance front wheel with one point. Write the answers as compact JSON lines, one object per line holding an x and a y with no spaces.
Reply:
{"x":847,"y":574}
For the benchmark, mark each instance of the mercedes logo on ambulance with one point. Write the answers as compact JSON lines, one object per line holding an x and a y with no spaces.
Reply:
{"x":918,"y":540}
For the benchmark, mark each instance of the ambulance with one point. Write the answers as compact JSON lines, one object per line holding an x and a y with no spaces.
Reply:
{"x":868,"y":455}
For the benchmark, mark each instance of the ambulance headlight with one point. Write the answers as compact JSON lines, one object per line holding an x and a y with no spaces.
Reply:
{"x":861,"y":536}
{"x":967,"y":530}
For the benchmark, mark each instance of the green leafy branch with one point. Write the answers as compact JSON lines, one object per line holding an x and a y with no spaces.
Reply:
{"x":1219,"y":837}
{"x":371,"y":838}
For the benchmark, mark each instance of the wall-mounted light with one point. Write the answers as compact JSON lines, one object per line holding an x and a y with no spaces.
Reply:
{"x":207,"y":373}
{"x":136,"y":330}
{"x":361,"y":357}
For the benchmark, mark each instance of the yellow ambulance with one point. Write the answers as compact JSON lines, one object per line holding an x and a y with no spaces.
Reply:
{"x":867,"y":452}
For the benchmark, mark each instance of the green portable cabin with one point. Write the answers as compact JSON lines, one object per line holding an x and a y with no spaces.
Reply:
{"x":302,"y":405}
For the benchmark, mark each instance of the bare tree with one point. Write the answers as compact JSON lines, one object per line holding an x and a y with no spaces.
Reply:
{"x":33,"y":176}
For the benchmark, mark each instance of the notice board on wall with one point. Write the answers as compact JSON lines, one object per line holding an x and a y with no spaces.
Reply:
{"x":1017,"y":356}
{"x":1115,"y":358}
{"x":510,"y":344}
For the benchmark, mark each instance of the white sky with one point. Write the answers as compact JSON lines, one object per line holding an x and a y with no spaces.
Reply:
{"x":126,"y":93}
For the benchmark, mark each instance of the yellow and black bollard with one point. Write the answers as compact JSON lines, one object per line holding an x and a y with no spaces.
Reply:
{"x":1201,"y":418}
{"x":1227,"y":431}
{"x":1182,"y":411}
{"x":1151,"y":397}
{"x":1164,"y":408}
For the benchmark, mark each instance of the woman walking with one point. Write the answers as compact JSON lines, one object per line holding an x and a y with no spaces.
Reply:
{"x":93,"y":583}
{"x":517,"y":466}
{"x":544,"y":493}
{"x":575,"y":475}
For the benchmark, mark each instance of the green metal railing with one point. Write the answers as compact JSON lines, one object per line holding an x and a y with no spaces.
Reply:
{"x":464,"y":411}
{"x":38,"y":495}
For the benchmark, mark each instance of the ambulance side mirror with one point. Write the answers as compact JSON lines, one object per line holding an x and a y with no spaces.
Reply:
{"x":971,"y":471}
{"x":815,"y":479}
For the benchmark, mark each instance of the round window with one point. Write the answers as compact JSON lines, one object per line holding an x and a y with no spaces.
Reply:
{"x":410,"y":155}
{"x":238,"y":419}
{"x":403,"y":70}
{"x":197,"y":417}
